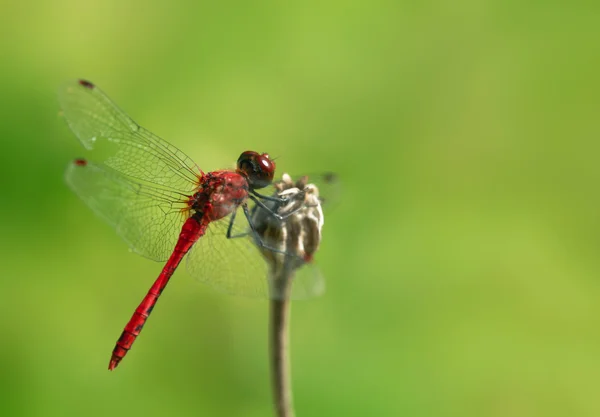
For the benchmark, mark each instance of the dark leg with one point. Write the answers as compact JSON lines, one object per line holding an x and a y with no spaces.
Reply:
{"x":268,"y":198}
{"x":272,"y":213}
{"x":257,"y":237}
{"x":230,"y":227}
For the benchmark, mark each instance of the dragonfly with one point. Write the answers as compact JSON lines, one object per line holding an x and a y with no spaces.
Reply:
{"x":165,"y":207}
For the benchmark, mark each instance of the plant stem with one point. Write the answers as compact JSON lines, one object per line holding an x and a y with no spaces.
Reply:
{"x":280,"y":310}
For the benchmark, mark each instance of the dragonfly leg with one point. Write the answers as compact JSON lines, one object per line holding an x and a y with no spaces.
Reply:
{"x":272,"y":213}
{"x":257,"y":238}
{"x":279,"y":200}
{"x":230,"y":227}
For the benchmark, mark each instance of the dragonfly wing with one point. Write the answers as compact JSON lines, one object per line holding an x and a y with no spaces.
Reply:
{"x":148,"y":218}
{"x":232,"y":266}
{"x":235,"y":265}
{"x":135,"y":152}
{"x":308,"y":282}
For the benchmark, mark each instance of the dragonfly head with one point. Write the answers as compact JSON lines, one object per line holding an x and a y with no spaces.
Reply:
{"x":258,"y":168}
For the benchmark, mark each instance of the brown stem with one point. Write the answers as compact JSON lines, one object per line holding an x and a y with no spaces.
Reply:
{"x":279,"y":344}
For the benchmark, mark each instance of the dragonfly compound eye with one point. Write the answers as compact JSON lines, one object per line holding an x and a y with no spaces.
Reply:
{"x":259,"y":168}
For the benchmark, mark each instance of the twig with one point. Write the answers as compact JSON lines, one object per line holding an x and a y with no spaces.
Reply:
{"x":279,"y":346}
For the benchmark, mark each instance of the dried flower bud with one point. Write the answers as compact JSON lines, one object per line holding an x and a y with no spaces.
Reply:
{"x":293,"y":241}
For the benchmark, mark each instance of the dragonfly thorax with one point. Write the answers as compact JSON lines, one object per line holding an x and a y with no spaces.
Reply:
{"x":220,"y":193}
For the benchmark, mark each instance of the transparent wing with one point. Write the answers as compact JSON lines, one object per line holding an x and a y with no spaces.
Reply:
{"x":235,"y":265}
{"x":329,"y":186}
{"x":148,"y":218}
{"x":308,"y":282}
{"x":132,"y":150}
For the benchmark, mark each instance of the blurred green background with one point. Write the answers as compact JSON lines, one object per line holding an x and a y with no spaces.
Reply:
{"x":462,"y":261}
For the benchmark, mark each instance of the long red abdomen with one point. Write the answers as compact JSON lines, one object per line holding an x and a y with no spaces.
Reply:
{"x":192,"y":230}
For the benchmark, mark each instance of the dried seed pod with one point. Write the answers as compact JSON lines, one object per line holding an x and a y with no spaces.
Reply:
{"x":292,"y":242}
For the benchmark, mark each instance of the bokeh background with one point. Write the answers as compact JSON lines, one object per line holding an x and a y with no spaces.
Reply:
{"x":462,"y":260}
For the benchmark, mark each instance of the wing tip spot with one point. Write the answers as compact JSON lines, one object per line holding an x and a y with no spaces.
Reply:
{"x":86,"y":84}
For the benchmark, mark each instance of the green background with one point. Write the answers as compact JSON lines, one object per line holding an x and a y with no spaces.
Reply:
{"x":461,"y":261}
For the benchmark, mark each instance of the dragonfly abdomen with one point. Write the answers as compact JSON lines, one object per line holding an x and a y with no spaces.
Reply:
{"x":192,"y":230}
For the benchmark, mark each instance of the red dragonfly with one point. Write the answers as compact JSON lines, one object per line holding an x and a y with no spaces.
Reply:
{"x":164,"y":206}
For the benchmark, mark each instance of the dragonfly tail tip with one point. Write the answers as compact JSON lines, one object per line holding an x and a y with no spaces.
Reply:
{"x":113,"y":364}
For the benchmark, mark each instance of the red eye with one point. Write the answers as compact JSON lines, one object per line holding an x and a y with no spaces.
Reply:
{"x":258,"y":168}
{"x":266,"y":164}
